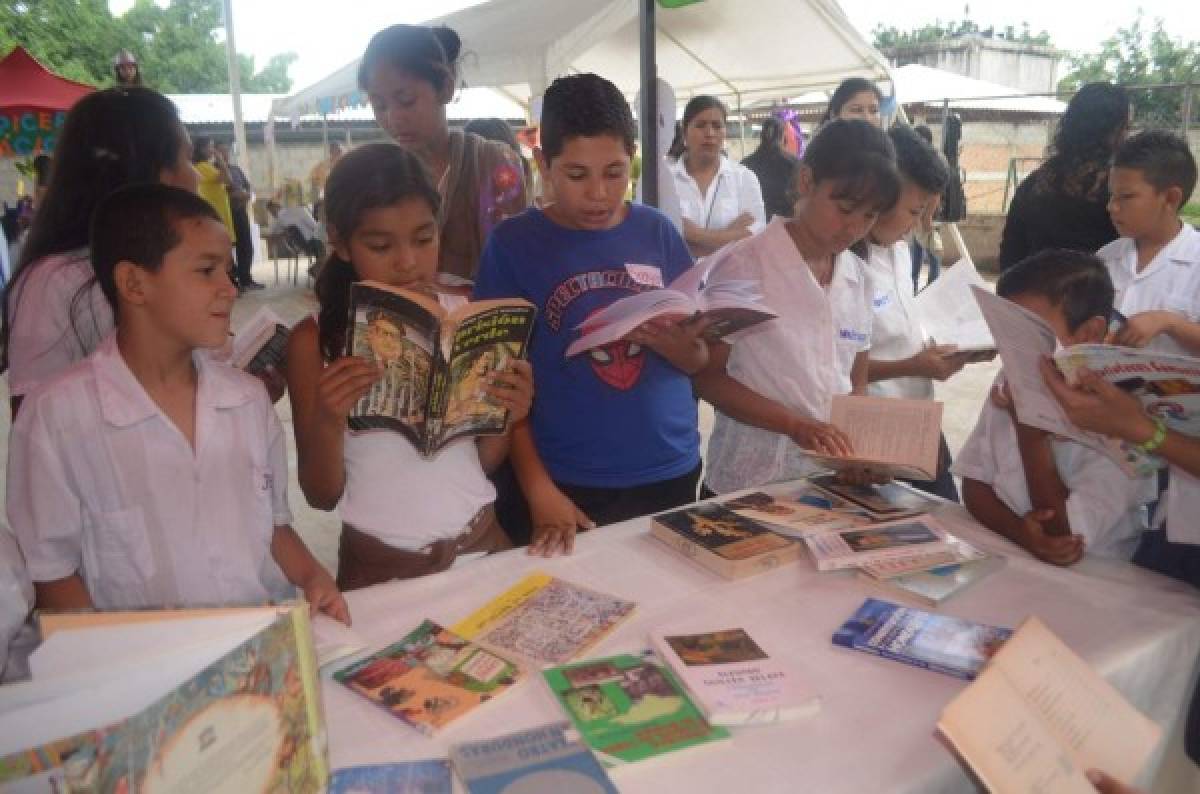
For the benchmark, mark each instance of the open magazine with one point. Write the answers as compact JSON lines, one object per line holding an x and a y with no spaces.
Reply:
{"x":700,"y":293}
{"x":436,"y":363}
{"x":949,"y":314}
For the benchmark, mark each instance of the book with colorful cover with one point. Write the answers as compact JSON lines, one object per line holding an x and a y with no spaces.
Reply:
{"x":222,"y":700}
{"x":732,"y":679}
{"x":544,"y":620}
{"x":798,"y":511}
{"x":540,"y":760}
{"x":431,"y":677}
{"x":858,"y":546}
{"x":725,"y":543}
{"x":629,"y":708}
{"x":404,"y":777}
{"x":933,"y":586}
{"x":883,"y":502}
{"x":942,"y":643}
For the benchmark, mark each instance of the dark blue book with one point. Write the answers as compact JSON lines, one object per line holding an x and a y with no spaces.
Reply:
{"x":537,"y":761}
{"x":941,"y":643}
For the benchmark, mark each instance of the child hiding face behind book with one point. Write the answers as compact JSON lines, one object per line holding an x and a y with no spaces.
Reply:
{"x":403,"y":515}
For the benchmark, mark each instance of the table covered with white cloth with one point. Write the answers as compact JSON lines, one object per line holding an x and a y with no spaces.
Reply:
{"x":875,"y":731}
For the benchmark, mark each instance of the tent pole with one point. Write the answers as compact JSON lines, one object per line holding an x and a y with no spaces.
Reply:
{"x":235,"y":90}
{"x":649,"y":104}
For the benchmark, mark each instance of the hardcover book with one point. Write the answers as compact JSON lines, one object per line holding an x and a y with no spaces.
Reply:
{"x":629,"y":708}
{"x":722,"y":541}
{"x":941,"y":643}
{"x":858,"y":546}
{"x":537,"y":761}
{"x":544,"y":620}
{"x":436,"y":363}
{"x":430,"y":678}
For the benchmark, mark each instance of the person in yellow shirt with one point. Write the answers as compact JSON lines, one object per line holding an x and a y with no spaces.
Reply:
{"x":215,"y":181}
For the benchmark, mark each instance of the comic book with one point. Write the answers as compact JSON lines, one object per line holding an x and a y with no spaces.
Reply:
{"x":430,"y":678}
{"x":544,"y":620}
{"x":435,"y":362}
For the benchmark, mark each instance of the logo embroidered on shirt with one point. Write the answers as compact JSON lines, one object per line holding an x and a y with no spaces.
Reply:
{"x":852,"y":335}
{"x":881,"y":300}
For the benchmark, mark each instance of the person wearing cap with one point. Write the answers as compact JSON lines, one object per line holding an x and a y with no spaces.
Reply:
{"x":125,"y":68}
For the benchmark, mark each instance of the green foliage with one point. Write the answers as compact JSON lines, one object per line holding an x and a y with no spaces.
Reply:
{"x":1141,"y":55}
{"x":180,"y":48}
{"x":889,"y":37}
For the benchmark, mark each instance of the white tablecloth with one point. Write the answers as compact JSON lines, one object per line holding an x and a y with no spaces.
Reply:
{"x":875,"y":731}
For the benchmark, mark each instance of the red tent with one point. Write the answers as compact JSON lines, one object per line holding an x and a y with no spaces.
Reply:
{"x":33,"y":104}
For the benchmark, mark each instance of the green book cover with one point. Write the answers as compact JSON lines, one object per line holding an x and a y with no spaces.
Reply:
{"x":629,"y":708}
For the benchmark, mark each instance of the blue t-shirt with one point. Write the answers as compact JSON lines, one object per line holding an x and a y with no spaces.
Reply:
{"x":612,"y":417}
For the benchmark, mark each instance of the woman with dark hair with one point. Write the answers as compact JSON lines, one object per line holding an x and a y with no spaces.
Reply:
{"x":855,"y":98}
{"x":775,"y":168}
{"x":54,"y":314}
{"x":720,"y":200}
{"x":496,"y":129}
{"x":409,"y":73}
{"x":1063,"y":203}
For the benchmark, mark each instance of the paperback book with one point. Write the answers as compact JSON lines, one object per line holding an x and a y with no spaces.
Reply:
{"x":956,"y":551}
{"x":436,"y":363}
{"x":733,"y":681}
{"x":886,"y":501}
{"x":933,"y":586}
{"x":798,"y":510}
{"x":629,"y":708}
{"x":852,"y":548}
{"x":544,"y":620}
{"x":949,"y":314}
{"x":261,"y":344}
{"x":405,"y":777}
{"x":890,"y":436}
{"x":723,"y":542}
{"x":537,"y":761}
{"x":941,"y":643}
{"x":430,"y":678}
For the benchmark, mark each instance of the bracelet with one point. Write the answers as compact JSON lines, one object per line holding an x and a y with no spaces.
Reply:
{"x":1156,"y":440}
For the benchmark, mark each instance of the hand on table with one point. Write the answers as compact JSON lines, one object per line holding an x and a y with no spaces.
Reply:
{"x":556,"y":519}
{"x":323,"y":595}
{"x":1055,"y":549}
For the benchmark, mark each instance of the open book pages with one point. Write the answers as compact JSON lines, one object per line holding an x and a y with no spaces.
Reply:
{"x":889,"y":435}
{"x":1038,"y":717}
{"x":949,"y":315}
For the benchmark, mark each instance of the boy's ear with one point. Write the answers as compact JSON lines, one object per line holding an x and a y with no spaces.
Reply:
{"x":1175,"y":197}
{"x":1091,"y":331}
{"x":130,"y":281}
{"x":804,"y":180}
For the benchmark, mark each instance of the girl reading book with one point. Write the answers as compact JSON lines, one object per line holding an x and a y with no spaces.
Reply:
{"x":403,"y":515}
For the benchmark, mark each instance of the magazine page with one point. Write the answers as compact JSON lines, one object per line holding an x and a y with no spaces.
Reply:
{"x":948,"y":312}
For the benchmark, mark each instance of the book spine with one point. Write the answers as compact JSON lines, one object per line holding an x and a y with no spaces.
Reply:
{"x":884,"y":653}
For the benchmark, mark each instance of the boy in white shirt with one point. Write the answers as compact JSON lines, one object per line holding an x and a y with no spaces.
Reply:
{"x":1054,"y":497}
{"x":128,"y":474}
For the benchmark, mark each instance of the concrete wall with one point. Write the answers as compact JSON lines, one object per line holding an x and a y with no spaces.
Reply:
{"x":1029,"y":68}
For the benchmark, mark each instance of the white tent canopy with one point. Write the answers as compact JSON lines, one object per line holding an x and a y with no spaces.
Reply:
{"x":923,"y":84}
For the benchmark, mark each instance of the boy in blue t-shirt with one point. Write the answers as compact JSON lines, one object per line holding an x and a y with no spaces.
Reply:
{"x":613,"y":431}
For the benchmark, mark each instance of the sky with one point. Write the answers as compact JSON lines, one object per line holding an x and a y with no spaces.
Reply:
{"x":328,"y":35}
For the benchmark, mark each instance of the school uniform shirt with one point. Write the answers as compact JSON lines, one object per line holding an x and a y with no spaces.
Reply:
{"x":1105,"y":505}
{"x":101,"y":483}
{"x":896,"y":332}
{"x":59,"y":315}
{"x":801,"y":359}
{"x":734,"y":190}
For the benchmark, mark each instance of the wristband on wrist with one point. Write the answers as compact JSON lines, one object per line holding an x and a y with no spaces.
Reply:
{"x":1156,"y":440}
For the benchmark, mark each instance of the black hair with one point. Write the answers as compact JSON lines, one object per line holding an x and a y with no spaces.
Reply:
{"x":584,"y":105}
{"x":1087,"y":132}
{"x":369,"y":177}
{"x":918,"y":161}
{"x":140,"y":224}
{"x":430,"y":53}
{"x":860,"y":158}
{"x":771,"y":134}
{"x":111,"y":138}
{"x":1075,"y":281}
{"x":1163,"y":158}
{"x":925,"y":133}
{"x":201,"y":148}
{"x":843,"y":93}
{"x":695,"y":106}
{"x":41,"y":170}
{"x":494,"y":129}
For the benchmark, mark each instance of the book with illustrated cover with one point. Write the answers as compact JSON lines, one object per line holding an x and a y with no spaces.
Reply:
{"x":836,"y":549}
{"x":698,"y":293}
{"x":941,"y":643}
{"x":890,"y":436}
{"x":723,"y":542}
{"x":733,"y":681}
{"x":544,"y":620}
{"x":436,"y":363}
{"x":886,"y":501}
{"x":261,"y":344}
{"x":629,"y":708}
{"x":536,"y":761}
{"x":431,"y":677}
{"x":933,"y":586}
{"x":798,"y":510}
{"x":219,"y":700}
{"x":1038,"y":717}
{"x":957,"y":551}
{"x":404,"y":777}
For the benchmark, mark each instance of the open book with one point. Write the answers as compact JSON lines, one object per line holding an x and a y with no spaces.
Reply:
{"x":260,"y":344}
{"x":436,"y":363}
{"x":892,"y":436}
{"x":949,"y":314}
{"x":1038,"y":717}
{"x":730,"y":305}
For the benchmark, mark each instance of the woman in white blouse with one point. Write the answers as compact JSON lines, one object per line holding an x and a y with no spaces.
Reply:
{"x":720,"y":200}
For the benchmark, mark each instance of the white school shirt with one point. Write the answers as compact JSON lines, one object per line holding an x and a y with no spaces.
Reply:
{"x":50,"y":329}
{"x":1105,"y":505}
{"x":734,"y":190}
{"x":896,"y":331}
{"x":800,"y":359}
{"x":16,"y":597}
{"x":404,"y":500}
{"x":102,"y":483}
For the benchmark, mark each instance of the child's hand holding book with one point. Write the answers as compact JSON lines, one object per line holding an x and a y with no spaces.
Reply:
{"x":513,"y":390}
{"x":342,"y":384}
{"x":820,"y":437}
{"x":681,"y":343}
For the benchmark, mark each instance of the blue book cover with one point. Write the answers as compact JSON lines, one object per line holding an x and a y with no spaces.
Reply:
{"x":408,"y":777}
{"x":941,"y":643}
{"x":537,"y":761}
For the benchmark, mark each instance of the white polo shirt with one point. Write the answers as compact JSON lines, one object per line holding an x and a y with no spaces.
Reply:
{"x":800,"y":359}
{"x":1105,"y":506}
{"x":51,"y":330}
{"x":896,"y":331}
{"x":734,"y":190}
{"x":102,"y":483}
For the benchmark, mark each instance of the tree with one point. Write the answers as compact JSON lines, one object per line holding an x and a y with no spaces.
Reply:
{"x":887,"y":38}
{"x":1133,"y":57}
